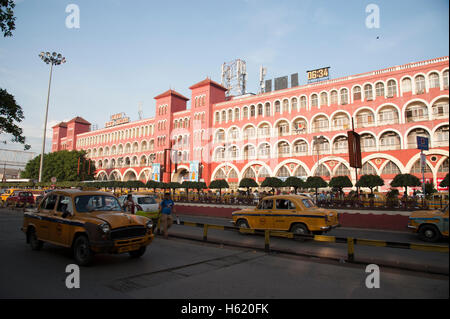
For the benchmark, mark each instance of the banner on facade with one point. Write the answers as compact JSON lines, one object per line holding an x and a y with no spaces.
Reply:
{"x":156,"y":172}
{"x":193,"y":171}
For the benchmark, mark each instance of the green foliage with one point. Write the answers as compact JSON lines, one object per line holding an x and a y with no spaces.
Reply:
{"x":315,"y":182}
{"x":10,"y":113}
{"x":199,"y":186}
{"x":340,"y":182}
{"x":370,"y":181}
{"x":405,"y":180}
{"x":248,"y":182}
{"x":273,"y":182}
{"x":63,"y":165}
{"x":392,"y":194}
{"x":429,"y":189}
{"x":174,"y":185}
{"x":219,"y":184}
{"x":152,"y":184}
{"x":7,"y":17}
{"x":444,"y":183}
{"x":295,"y":182}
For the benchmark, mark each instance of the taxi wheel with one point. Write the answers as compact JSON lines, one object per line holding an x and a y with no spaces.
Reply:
{"x":82,"y":251}
{"x":429,"y":233}
{"x":299,"y":229}
{"x":137,"y":253}
{"x":35,"y":243}
{"x":242,"y":223}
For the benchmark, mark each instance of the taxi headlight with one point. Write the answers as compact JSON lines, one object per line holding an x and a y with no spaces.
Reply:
{"x":150,"y":224}
{"x":105,"y":228}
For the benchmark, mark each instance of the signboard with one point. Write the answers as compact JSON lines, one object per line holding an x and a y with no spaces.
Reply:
{"x":354,"y":149}
{"x":423,"y":161}
{"x":440,"y":189}
{"x":422,"y":143}
{"x":193,"y":171}
{"x":117,"y":119}
{"x":156,"y":174}
{"x":317,"y":74}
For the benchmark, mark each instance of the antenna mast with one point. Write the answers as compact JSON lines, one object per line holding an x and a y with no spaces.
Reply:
{"x":234,"y":77}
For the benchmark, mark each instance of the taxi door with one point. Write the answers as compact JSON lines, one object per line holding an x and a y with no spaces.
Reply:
{"x":60,"y":228}
{"x":262,"y":218}
{"x":284,"y":212}
{"x":46,"y":216}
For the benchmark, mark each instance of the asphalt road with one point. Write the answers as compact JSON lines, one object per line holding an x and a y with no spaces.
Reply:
{"x":186,"y":269}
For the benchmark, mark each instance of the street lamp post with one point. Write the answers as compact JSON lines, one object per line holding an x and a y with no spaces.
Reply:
{"x":52,"y":59}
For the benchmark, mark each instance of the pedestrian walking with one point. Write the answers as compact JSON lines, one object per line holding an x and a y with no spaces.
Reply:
{"x":166,"y":208}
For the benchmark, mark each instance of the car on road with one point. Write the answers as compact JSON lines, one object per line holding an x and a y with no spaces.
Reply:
{"x":294,"y":213}
{"x":20,"y":199}
{"x":146,"y":203}
{"x":431,"y":225}
{"x":4,"y":196}
{"x":88,"y":222}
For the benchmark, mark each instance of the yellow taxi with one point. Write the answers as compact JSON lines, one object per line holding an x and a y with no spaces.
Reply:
{"x":431,"y":225}
{"x":88,"y":222}
{"x":379,"y":199}
{"x":438,"y":200}
{"x":8,"y":193}
{"x":294,"y":213}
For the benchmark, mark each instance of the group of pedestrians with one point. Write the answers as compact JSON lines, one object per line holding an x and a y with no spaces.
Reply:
{"x":166,"y":209}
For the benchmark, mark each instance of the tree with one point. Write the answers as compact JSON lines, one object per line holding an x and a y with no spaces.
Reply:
{"x":272,"y":182}
{"x":405,"y":180}
{"x":63,"y":165}
{"x":370,"y":181}
{"x":219,"y":184}
{"x":199,"y":186}
{"x":339,"y":182}
{"x":173,"y":186}
{"x":429,"y":189}
{"x":7,"y":17}
{"x":152,"y":184}
{"x":315,"y":182}
{"x":295,"y":182}
{"x":444,"y":183}
{"x":10,"y":112}
{"x":247,"y":183}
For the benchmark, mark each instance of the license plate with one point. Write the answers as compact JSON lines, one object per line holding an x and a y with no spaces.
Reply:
{"x":128,"y":248}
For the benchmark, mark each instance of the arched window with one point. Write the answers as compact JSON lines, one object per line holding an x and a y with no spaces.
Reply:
{"x":294,"y":103}
{"x":283,"y":172}
{"x":245,"y":114}
{"x":260,"y":110}
{"x":445,"y":79}
{"x":267,"y":106}
{"x":314,"y":100}
{"x":236,"y":114}
{"x":224,"y":117}
{"x":390,"y":168}
{"x":230,"y":115}
{"x":444,"y":166}
{"x":333,"y":97}
{"x":392,"y":88}
{"x":406,"y":85}
{"x":285,"y":106}
{"x":303,"y":102}
{"x":368,"y":92}
{"x":420,"y":84}
{"x":357,"y":93}
{"x":252,"y":111}
{"x":368,"y":169}
{"x":379,"y":89}
{"x":324,"y":98}
{"x":344,"y":96}
{"x":342,"y":170}
{"x":434,"y":80}
{"x":277,"y":107}
{"x":417,"y":169}
{"x":322,"y":171}
{"x":249,"y":173}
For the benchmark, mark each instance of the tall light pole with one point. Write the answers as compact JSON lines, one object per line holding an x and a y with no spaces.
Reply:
{"x":52,"y":59}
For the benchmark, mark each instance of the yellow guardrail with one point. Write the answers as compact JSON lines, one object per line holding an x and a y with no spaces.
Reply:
{"x":351,"y":242}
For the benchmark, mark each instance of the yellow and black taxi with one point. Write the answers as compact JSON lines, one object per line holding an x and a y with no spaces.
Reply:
{"x":294,"y":213}
{"x":88,"y":222}
{"x":431,"y":225}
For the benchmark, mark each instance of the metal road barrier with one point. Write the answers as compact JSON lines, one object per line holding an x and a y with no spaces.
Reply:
{"x":351,"y":242}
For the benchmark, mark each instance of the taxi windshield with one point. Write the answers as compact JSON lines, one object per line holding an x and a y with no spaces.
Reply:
{"x":308,"y":203}
{"x":89,"y":203}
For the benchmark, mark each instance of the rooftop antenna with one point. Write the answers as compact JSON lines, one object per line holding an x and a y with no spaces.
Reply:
{"x":140,"y":112}
{"x":262,"y":75}
{"x":234,"y":75}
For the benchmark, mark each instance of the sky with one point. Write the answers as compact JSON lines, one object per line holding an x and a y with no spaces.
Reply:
{"x":126,"y":52}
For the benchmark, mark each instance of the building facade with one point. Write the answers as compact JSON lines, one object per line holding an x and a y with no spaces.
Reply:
{"x":299,"y":131}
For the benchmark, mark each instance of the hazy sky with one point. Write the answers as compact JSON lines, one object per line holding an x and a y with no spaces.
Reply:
{"x":126,"y":52}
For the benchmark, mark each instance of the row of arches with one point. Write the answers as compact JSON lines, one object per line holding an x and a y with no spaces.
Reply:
{"x":417,"y":84}
{"x":388,"y":139}
{"x":364,"y":117}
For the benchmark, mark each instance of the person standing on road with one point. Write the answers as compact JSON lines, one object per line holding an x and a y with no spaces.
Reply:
{"x":129,"y":205}
{"x":166,"y":208}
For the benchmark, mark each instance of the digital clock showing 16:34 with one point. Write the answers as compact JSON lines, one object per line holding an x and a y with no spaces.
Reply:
{"x":318,"y":73}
